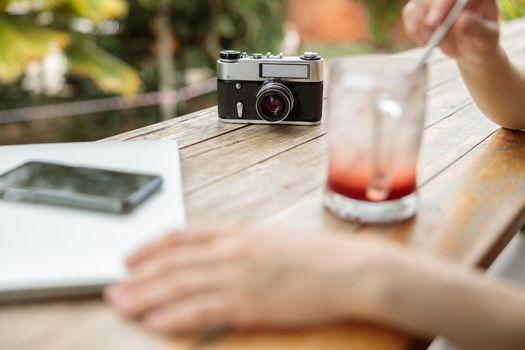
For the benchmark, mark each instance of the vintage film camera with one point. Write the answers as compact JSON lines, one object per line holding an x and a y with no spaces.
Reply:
{"x":270,"y":89}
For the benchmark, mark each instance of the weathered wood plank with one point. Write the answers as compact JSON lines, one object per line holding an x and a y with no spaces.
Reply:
{"x":189,"y":130}
{"x":275,"y":183}
{"x":468,"y":213}
{"x":225,"y":157}
{"x":475,"y":207}
{"x":79,"y":325}
{"x":444,"y":143}
{"x":355,"y":337}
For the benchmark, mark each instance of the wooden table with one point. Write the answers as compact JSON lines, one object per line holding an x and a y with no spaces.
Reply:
{"x":471,"y":180}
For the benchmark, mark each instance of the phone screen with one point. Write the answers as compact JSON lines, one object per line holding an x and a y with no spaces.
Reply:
{"x":52,"y":183}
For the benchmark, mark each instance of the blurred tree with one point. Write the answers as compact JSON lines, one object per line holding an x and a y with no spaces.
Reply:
{"x":199,"y":29}
{"x":511,"y":9}
{"x":384,"y":16}
{"x":197,"y":33}
{"x":166,"y":46}
{"x":31,"y":29}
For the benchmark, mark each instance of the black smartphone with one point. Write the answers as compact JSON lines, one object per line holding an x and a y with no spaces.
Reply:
{"x":77,"y":186}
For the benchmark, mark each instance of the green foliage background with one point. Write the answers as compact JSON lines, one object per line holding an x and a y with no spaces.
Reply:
{"x":200,"y":27}
{"x":213,"y":24}
{"x":511,"y":9}
{"x":384,"y":16}
{"x":26,"y":37}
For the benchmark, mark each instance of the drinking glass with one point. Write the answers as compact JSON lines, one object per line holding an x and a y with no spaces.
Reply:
{"x":376,"y":111}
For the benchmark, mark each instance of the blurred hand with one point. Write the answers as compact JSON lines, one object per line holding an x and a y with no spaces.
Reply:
{"x":191,"y":281}
{"x":473,"y":38}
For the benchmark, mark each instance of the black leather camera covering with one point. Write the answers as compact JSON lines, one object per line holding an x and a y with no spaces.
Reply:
{"x":308,"y":100}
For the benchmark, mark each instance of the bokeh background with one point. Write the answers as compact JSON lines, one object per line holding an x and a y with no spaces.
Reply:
{"x":81,"y":70}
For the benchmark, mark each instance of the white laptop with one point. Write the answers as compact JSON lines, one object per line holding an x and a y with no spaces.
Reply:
{"x":48,"y":251}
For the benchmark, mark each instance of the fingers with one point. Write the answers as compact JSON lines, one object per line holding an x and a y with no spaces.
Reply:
{"x":474,"y":36}
{"x":413,"y":18}
{"x":422,"y":17}
{"x":171,"y":260}
{"x":177,"y":272}
{"x":166,"y":257}
{"x":134,"y":299}
{"x":437,"y":12}
{"x":198,"y":313}
{"x":195,"y":236}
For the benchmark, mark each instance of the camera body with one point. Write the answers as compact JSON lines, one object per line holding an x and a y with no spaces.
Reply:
{"x":270,"y":89}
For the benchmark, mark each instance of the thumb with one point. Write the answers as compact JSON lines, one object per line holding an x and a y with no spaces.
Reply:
{"x":438,"y":11}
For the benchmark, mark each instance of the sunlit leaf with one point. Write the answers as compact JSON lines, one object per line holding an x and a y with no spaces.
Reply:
{"x":511,"y":9}
{"x":99,"y":10}
{"x":30,"y":5}
{"x":108,"y":72}
{"x":22,"y":43}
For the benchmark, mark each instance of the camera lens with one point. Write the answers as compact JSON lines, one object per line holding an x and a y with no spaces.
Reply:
{"x":274,"y":101}
{"x":273,"y":104}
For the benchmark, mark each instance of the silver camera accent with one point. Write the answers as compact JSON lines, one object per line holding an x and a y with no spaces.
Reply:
{"x":257,"y":67}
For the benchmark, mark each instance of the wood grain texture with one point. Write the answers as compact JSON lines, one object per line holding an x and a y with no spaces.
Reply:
{"x":337,"y":337}
{"x":471,"y":180}
{"x":79,"y":325}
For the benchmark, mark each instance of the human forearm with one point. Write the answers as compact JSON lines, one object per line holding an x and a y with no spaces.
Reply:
{"x":431,"y":297}
{"x":196,"y":280}
{"x":498,"y":88}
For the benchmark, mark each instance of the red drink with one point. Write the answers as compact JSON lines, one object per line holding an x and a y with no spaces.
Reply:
{"x":352,"y":181}
{"x":376,"y":116}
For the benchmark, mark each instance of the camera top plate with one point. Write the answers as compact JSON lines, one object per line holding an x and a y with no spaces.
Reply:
{"x":237,"y":66}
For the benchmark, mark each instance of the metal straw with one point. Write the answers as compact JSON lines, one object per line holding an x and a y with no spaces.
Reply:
{"x":442,"y":31}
